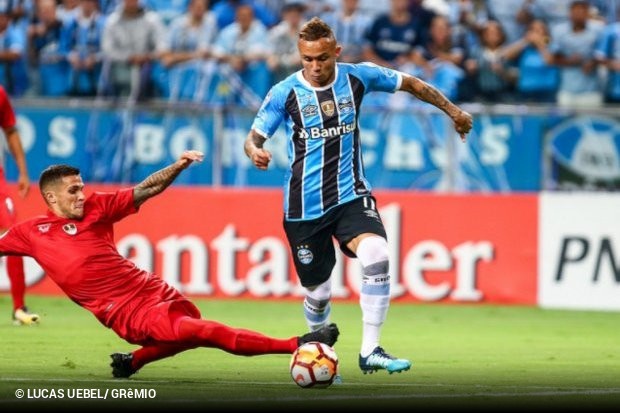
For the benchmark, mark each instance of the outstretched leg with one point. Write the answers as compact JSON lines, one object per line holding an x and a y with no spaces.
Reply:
{"x":204,"y":333}
{"x":193,"y":332}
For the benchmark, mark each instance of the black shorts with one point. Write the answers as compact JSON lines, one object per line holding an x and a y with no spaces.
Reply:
{"x":311,"y":241}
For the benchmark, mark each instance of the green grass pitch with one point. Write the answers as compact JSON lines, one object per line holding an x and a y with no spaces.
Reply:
{"x":465,"y":356}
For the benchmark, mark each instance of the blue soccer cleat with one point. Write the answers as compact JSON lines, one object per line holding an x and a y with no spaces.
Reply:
{"x":380,"y":360}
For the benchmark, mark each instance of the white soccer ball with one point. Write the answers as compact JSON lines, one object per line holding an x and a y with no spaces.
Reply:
{"x":314,"y":364}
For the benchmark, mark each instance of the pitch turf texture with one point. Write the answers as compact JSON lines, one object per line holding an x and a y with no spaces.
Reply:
{"x":463,"y":356}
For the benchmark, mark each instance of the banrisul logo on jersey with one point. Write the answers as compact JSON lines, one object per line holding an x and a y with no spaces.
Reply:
{"x":323,"y":133}
{"x":585,"y":154}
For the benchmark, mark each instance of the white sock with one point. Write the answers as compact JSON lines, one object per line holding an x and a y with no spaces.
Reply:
{"x":375,"y":292}
{"x":316,"y":305}
{"x":370,"y":338}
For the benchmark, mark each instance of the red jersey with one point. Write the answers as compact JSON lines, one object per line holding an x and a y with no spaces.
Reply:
{"x":80,"y":255}
{"x":7,"y":115}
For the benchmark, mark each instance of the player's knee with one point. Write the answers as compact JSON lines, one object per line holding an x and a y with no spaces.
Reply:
{"x":321,"y":292}
{"x":372,"y":250}
{"x":373,"y":254}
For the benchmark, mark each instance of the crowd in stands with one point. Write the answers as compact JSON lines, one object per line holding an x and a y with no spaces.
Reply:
{"x":221,"y":51}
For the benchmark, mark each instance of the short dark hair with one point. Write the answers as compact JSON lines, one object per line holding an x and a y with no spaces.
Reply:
{"x":316,"y":29}
{"x":54,"y":173}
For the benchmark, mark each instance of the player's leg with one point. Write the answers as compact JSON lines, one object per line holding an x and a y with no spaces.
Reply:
{"x":242,"y":342}
{"x":314,"y":256}
{"x":362,"y":235}
{"x":176,"y":326}
{"x":17,"y":278}
{"x":15,"y":267}
{"x":316,"y":305}
{"x":125,"y":364}
{"x":193,"y":333}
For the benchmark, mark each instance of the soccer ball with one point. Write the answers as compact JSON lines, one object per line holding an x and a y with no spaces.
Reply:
{"x":314,"y":364}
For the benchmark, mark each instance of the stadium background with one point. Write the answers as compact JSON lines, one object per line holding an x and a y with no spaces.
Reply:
{"x":523,"y":214}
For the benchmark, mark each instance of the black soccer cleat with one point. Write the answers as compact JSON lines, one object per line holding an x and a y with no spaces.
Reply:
{"x":327,"y":335}
{"x":121,"y":365}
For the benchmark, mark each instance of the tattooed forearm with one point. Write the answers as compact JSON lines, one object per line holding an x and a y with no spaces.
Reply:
{"x":253,"y":141}
{"x":429,"y":94}
{"x":155,"y":183}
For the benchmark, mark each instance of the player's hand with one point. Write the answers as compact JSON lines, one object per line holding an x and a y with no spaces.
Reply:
{"x":188,"y":157}
{"x":261,"y":158}
{"x":23,"y":185}
{"x":462,"y":123}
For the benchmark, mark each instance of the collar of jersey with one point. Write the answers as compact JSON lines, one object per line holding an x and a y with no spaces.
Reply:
{"x":302,"y":79}
{"x":50,"y":214}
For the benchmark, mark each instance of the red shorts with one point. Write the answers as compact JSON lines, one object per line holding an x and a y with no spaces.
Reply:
{"x":150,"y":316}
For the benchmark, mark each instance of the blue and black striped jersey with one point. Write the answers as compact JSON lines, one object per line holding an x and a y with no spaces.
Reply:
{"x":325,"y":157}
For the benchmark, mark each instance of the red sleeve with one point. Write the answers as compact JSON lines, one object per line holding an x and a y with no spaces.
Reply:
{"x":7,"y":115}
{"x":115,"y":205}
{"x":15,"y":241}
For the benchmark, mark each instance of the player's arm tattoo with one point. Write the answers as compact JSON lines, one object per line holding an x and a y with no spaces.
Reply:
{"x":155,"y":183}
{"x":429,"y":94}
{"x":253,"y":141}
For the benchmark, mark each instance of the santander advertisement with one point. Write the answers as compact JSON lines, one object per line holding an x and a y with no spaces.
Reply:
{"x":230,"y":243}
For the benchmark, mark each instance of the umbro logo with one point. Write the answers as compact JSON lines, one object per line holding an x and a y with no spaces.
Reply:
{"x":371,"y":213}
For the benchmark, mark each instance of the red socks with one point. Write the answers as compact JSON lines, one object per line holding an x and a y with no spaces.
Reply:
{"x":148,"y":354}
{"x":241,"y":342}
{"x":194,"y":332}
{"x":15,"y":271}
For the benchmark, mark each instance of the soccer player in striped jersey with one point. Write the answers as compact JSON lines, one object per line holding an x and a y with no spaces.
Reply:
{"x":327,"y":194}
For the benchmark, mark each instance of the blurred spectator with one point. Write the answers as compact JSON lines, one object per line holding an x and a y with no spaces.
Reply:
{"x":552,"y":12}
{"x":374,"y":8}
{"x":440,"y":58}
{"x":538,"y":78}
{"x":512,"y":15}
{"x":190,"y":40}
{"x":318,"y":7}
{"x":84,"y":49}
{"x":349,"y":26}
{"x":192,"y":35}
{"x":608,"y":53}
{"x":12,"y":46}
{"x":168,"y":10}
{"x":46,"y":36}
{"x":67,"y":10}
{"x":392,"y":37}
{"x":284,"y":58}
{"x":607,"y":10}
{"x":242,"y":46}
{"x":487,"y":65}
{"x":225,"y":12}
{"x":423,"y":16}
{"x":274,"y":7}
{"x":573,"y":44}
{"x":22,"y":11}
{"x":463,"y":16}
{"x":107,"y":7}
{"x":133,"y":38}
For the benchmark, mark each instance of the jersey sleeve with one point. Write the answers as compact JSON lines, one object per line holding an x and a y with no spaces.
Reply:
{"x":115,"y":205}
{"x":379,"y":78}
{"x":7,"y":115}
{"x":604,"y":45}
{"x":270,"y":114}
{"x":15,"y":241}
